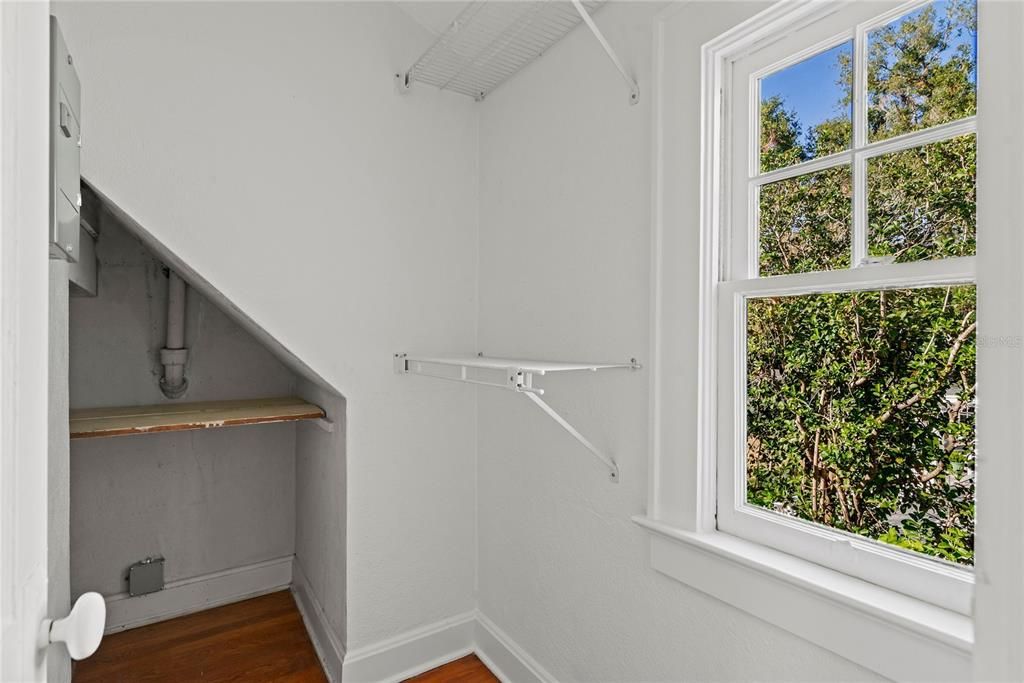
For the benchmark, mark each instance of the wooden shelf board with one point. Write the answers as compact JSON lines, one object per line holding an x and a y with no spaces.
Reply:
{"x":171,"y":417}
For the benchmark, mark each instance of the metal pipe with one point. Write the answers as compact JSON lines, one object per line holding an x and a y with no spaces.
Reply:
{"x":174,"y":354}
{"x":175,"y":311}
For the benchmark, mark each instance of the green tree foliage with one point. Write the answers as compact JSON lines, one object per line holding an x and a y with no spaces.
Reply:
{"x":922,"y":71}
{"x":860,"y":405}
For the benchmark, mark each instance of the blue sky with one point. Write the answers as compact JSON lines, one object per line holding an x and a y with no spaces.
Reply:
{"x":810,"y":87}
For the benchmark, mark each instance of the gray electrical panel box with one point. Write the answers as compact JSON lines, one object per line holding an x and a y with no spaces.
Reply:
{"x":65,"y":149}
{"x":146,"y":576}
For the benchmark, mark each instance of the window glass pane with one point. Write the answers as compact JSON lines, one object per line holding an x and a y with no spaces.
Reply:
{"x":806,"y":109}
{"x":921,"y":201}
{"x":860,"y":414}
{"x":804,"y":223}
{"x":922,"y":69}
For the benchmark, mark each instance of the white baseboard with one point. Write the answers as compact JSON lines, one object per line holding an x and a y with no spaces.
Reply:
{"x":504,"y":657}
{"x":423,"y":649}
{"x":412,"y":652}
{"x":387,"y":661}
{"x":328,"y":647}
{"x":198,"y":593}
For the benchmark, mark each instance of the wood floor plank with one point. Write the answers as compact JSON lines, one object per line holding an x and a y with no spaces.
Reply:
{"x":469,"y":669}
{"x":262,"y":639}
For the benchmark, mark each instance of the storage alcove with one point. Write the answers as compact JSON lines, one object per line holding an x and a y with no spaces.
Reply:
{"x":234,"y":510}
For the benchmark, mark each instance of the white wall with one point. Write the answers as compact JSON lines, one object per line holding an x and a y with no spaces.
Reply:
{"x":207,"y":501}
{"x":58,"y":664}
{"x":116,"y":337}
{"x":999,"y":559}
{"x":264,"y":144}
{"x":319,"y":509}
{"x":25,"y":524}
{"x":565,"y":273}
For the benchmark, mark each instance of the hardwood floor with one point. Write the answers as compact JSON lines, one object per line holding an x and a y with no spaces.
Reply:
{"x":469,"y":669}
{"x":262,"y":639}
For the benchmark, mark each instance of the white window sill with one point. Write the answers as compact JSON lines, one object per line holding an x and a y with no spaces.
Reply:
{"x":899,"y":637}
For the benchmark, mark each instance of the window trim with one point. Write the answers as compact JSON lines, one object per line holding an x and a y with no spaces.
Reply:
{"x":897,"y":636}
{"x":872,"y":626}
{"x":738,"y":281}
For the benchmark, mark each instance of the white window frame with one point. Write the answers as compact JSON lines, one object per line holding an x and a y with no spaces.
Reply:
{"x":897,"y":636}
{"x":736,"y":282}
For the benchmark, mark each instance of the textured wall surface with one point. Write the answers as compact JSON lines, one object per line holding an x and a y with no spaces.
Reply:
{"x":265,"y":145}
{"x":205,"y":500}
{"x":562,"y":568}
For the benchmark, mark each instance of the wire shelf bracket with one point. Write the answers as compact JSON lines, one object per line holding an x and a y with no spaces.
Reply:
{"x":516,"y":375}
{"x":488,"y":42}
{"x":634,"y":90}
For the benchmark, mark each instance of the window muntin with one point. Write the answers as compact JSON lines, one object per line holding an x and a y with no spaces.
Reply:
{"x":752,"y":269}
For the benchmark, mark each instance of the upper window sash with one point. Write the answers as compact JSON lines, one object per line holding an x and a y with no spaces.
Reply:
{"x":742,"y":263}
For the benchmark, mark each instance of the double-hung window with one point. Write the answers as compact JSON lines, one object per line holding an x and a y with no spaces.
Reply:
{"x":846,"y":315}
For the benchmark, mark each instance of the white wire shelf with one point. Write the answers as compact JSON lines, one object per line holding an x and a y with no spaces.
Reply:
{"x":515,"y":374}
{"x":539,"y":367}
{"x":489,"y":41}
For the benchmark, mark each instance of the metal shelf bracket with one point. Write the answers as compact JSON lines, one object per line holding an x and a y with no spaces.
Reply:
{"x":516,"y":375}
{"x":403,"y":83}
{"x":613,"y":469}
{"x":634,"y":90}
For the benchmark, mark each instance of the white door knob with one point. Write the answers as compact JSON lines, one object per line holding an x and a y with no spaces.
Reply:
{"x":82,"y":629}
